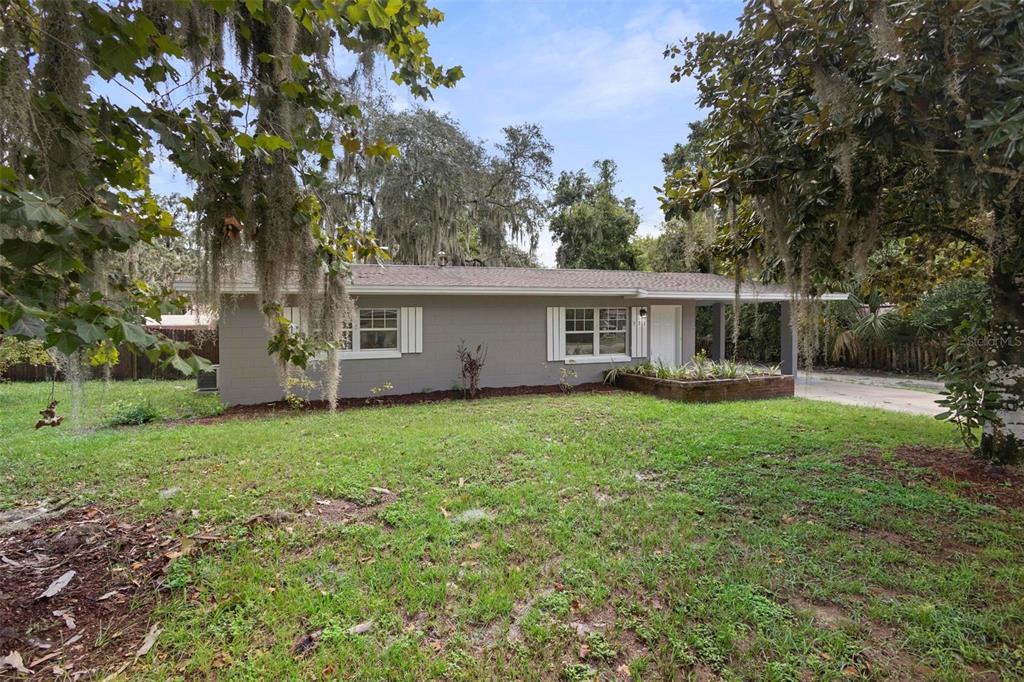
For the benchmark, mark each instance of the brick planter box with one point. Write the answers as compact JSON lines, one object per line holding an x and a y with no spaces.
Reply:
{"x":709,"y":390}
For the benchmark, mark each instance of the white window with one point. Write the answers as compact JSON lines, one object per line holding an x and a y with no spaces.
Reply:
{"x":376,"y":332}
{"x":579,"y":331}
{"x":594,"y":335}
{"x":612,"y":331}
{"x":378,"y":329}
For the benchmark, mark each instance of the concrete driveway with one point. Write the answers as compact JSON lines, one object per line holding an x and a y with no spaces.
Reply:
{"x":889,"y":393}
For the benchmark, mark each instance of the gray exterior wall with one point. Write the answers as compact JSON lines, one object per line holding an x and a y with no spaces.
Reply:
{"x":514,"y":329}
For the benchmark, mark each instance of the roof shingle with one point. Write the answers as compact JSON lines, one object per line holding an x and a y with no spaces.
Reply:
{"x":453,"y":279}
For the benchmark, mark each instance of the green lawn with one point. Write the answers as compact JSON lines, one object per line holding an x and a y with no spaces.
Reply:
{"x":621,"y":534}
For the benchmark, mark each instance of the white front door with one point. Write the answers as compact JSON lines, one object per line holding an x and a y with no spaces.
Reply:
{"x":666,"y":334}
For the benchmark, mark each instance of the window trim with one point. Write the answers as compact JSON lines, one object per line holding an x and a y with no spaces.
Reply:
{"x":597,"y":356}
{"x":356,"y":352}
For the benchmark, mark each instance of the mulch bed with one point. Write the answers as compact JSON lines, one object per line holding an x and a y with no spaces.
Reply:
{"x":102,"y":614}
{"x":283,"y":407}
{"x":998,"y":485}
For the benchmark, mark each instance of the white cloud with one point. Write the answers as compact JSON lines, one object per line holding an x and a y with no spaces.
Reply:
{"x":598,"y":72}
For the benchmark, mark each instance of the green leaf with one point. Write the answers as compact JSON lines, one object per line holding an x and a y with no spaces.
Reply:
{"x":137,"y":334}
{"x":178,"y":363}
{"x":255,"y":7}
{"x":33,"y":211}
{"x":272,"y":143}
{"x":244,"y":141}
{"x":89,"y":332}
{"x":378,"y":18}
{"x":66,"y":342}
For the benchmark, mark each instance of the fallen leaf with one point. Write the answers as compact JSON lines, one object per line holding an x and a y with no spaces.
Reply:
{"x":444,"y":512}
{"x":475,"y":545}
{"x":114,"y":675}
{"x":305,"y":643}
{"x":35,"y":662}
{"x":849,"y":671}
{"x":136,"y":565}
{"x":108,"y":595}
{"x":74,"y":639}
{"x":221,"y":660}
{"x":57,"y":585}
{"x":14,"y":660}
{"x":361,"y":628}
{"x":148,"y":642}
{"x":380,"y":491}
{"x":462,"y":482}
{"x":69,"y":620}
{"x":623,"y":671}
{"x":187,"y":545}
{"x":325,"y":503}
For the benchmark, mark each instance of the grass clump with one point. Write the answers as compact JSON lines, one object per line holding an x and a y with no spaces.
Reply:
{"x":125,"y":413}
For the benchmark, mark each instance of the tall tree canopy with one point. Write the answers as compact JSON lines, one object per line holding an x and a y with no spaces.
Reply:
{"x":257,"y":133}
{"x":446,"y":193}
{"x":593,"y":227}
{"x":836,"y":125}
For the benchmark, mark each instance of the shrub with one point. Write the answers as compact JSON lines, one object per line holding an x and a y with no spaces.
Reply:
{"x":124,"y":413}
{"x":472,"y":362}
{"x":14,"y":351}
{"x":701,"y":367}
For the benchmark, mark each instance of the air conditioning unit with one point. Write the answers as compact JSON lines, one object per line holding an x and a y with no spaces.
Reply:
{"x":206,"y":380}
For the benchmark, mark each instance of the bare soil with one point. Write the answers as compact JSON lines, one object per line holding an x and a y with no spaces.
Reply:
{"x":1001,"y":486}
{"x":102,"y":614}
{"x":342,"y":511}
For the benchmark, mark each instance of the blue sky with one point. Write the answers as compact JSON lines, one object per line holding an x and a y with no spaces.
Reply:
{"x":590,"y":72}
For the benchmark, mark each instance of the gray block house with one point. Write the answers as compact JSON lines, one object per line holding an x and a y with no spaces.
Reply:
{"x":534,"y":322}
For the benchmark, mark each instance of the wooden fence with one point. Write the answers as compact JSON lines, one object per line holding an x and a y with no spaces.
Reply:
{"x":908,"y":358}
{"x":131,"y":365}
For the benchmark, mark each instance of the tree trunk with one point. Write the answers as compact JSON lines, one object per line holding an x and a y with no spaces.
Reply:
{"x":1004,"y":441}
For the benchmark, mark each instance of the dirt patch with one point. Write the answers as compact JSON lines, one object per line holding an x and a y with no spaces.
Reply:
{"x":282,"y":407}
{"x":341,"y":511}
{"x":111,"y":572}
{"x":998,"y":485}
{"x":827,"y":615}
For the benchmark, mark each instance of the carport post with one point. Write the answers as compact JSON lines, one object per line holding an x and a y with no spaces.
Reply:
{"x":718,"y":331}
{"x":787,"y":322}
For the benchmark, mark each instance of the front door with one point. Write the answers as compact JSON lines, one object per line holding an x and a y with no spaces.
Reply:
{"x":666,"y":334}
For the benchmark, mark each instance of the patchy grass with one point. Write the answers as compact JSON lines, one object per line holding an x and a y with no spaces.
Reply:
{"x":557,"y":537}
{"x":103,"y":404}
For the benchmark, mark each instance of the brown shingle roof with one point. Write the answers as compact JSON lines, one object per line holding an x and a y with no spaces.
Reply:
{"x":467,"y":277}
{"x":484,"y":280}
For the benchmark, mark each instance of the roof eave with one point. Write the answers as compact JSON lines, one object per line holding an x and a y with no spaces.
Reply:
{"x":189,"y":286}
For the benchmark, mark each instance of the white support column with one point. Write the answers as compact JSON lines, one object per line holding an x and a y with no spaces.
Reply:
{"x":718,"y":331}
{"x":689,"y":348}
{"x":790,"y":342}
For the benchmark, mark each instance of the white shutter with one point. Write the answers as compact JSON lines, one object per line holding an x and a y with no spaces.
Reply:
{"x":638,"y":345}
{"x":411,"y":330}
{"x":556,"y":334}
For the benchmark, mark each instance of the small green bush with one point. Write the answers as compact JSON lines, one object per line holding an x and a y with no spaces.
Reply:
{"x":124,"y":413}
{"x":701,"y":367}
